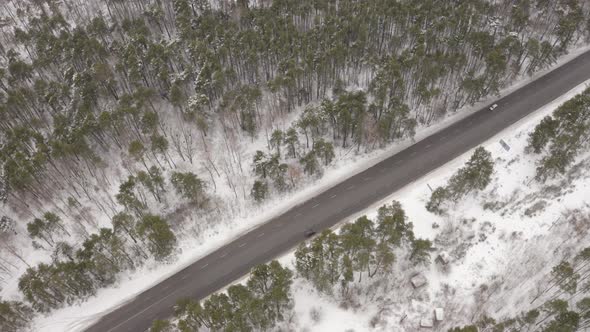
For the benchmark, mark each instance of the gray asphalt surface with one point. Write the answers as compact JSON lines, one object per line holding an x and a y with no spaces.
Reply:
{"x":284,"y":232}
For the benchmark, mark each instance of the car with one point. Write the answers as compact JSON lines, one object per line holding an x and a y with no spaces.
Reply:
{"x":309,"y":232}
{"x":493,"y":107}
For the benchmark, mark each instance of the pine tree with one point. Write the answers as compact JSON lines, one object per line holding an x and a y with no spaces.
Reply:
{"x":15,"y":316}
{"x":217,"y":311}
{"x":190,"y":187}
{"x":160,"y":325}
{"x":259,"y":191}
{"x":420,"y":253}
{"x":324,"y":150}
{"x":47,"y":228}
{"x":393,"y":226}
{"x":292,"y":140}
{"x":189,"y":314}
{"x":565,"y":277}
{"x":243,"y":304}
{"x":271,"y":283}
{"x":156,"y":231}
{"x":276,"y":140}
{"x":310,"y":163}
{"x":475,"y":175}
{"x":438,"y":197}
{"x":358,"y":242}
{"x":137,"y":151}
{"x":260,"y":164}
{"x":567,"y":321}
{"x":543,"y":133}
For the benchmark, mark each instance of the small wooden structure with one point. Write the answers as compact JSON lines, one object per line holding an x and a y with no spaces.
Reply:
{"x":426,"y":322}
{"x":418,"y":280}
{"x":443,"y":258}
{"x":439,"y":314}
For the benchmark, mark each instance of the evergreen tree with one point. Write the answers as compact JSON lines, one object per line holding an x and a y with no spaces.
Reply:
{"x":189,"y":314}
{"x":420,"y":253}
{"x":567,"y":321}
{"x":47,"y":228}
{"x":161,"y":241}
{"x":438,"y":197}
{"x":272,"y":283}
{"x":276,"y":140}
{"x":259,"y":191}
{"x":475,"y":175}
{"x":14,"y":316}
{"x":310,"y":163}
{"x":292,"y":140}
{"x":324,"y":150}
{"x":190,"y":187}
{"x":160,"y":325}
{"x":543,"y":133}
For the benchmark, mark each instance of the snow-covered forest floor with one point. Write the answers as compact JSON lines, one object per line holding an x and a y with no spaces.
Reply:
{"x":245,"y":215}
{"x":502,"y":242}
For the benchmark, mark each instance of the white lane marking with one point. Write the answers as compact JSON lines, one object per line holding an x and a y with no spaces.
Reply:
{"x":166,"y":287}
{"x":278,"y":225}
{"x":204,"y":266}
{"x":225,"y":254}
{"x":315,"y":206}
{"x":141,"y":312}
{"x":428,"y":146}
{"x":367,"y":178}
{"x":185,"y":276}
{"x":413,"y":153}
{"x":241,"y":245}
{"x":260,"y":235}
{"x":333,"y":196}
{"x":298,"y":214}
{"x":350,"y":187}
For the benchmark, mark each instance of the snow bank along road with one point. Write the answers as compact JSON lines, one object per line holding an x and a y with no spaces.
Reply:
{"x":282,"y":233}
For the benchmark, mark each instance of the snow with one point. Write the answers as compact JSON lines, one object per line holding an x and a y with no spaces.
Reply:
{"x":79,"y":316}
{"x":332,"y":317}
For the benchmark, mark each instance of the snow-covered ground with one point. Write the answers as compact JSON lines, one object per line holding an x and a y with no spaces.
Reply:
{"x":500,"y":253}
{"x":346,"y":164}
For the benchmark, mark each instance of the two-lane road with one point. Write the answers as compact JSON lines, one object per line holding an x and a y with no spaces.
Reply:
{"x":284,"y":232}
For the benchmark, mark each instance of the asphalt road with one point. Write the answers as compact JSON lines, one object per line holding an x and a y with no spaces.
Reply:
{"x":284,"y":232}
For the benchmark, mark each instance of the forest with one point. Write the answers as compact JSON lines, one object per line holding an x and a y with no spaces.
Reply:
{"x":127,"y":125}
{"x":335,"y":263}
{"x":567,"y":279}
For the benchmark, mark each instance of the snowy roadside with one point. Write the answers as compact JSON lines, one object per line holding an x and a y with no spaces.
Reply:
{"x":494,"y":259}
{"x":80,"y":316}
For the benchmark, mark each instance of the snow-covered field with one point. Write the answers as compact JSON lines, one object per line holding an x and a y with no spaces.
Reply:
{"x":499,"y":254}
{"x":347,"y":163}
